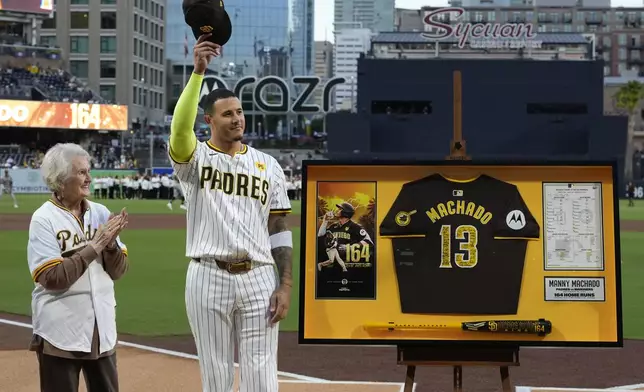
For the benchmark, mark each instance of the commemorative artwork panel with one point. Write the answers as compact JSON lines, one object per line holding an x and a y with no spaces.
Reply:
{"x":346,"y":247}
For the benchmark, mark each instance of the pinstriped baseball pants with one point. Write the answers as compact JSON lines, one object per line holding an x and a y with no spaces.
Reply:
{"x":223,"y":307}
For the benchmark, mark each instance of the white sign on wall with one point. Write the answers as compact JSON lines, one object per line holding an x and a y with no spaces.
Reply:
{"x":27,"y":181}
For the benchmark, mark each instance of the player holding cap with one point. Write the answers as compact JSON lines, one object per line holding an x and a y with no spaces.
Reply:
{"x":237,"y":232}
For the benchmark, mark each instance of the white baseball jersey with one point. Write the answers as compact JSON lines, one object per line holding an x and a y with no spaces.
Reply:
{"x":66,"y":318}
{"x":230,"y":198}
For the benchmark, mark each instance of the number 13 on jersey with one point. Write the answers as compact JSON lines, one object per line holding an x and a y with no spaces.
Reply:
{"x":466,"y":237}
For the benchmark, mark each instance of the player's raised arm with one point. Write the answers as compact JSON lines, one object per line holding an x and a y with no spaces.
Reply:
{"x":182,"y":137}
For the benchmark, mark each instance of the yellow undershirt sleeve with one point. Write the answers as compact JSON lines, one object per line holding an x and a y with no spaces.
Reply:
{"x":183,"y":141}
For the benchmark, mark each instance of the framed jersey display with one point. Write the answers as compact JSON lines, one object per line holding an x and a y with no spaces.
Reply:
{"x":460,"y":252}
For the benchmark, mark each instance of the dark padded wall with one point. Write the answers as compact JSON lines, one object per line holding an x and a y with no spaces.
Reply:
{"x":503,"y":104}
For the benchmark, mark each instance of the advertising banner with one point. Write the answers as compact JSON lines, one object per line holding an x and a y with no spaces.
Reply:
{"x":28,"y":181}
{"x":38,"y":114}
{"x":27,"y":6}
{"x":31,"y":181}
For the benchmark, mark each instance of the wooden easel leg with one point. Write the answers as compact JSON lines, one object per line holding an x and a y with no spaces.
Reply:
{"x":409,"y":379}
{"x":505,"y":379}
{"x":458,"y":378}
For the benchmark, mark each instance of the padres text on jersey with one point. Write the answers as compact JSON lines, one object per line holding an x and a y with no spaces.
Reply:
{"x":229,"y":199}
{"x":459,"y":246}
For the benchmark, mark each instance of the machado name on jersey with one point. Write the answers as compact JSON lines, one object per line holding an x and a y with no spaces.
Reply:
{"x":459,"y":246}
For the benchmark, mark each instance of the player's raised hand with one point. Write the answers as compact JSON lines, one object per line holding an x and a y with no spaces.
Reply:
{"x":203,"y":52}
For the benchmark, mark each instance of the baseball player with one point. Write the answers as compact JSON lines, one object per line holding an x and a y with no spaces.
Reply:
{"x":176,"y":193}
{"x":237,"y":238}
{"x":345,"y":231}
{"x":7,"y":187}
{"x":331,"y":244}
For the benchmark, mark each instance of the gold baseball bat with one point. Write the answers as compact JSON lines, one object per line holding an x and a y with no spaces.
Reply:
{"x":539,"y":327}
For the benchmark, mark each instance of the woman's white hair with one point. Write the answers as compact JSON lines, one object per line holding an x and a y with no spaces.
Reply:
{"x":57,"y":164}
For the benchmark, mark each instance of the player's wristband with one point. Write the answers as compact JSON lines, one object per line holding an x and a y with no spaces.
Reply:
{"x":282,"y":239}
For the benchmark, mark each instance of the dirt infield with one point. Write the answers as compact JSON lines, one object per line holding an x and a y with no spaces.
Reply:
{"x":142,"y":370}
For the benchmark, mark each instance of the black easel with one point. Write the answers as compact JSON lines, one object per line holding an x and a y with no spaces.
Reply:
{"x":501,"y":356}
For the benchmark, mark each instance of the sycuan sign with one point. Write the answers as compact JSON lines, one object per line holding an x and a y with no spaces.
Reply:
{"x":477,"y":34}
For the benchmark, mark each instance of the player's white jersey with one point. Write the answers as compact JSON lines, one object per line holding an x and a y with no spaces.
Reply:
{"x":230,"y":198}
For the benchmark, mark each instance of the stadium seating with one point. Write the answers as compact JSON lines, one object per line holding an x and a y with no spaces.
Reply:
{"x":36,"y":73}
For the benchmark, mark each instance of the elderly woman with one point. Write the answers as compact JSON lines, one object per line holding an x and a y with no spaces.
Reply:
{"x":75,"y":254}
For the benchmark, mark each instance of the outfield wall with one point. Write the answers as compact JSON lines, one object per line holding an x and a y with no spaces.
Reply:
{"x":30,"y":180}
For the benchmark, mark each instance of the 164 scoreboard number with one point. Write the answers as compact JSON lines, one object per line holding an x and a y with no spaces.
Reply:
{"x":38,"y":114}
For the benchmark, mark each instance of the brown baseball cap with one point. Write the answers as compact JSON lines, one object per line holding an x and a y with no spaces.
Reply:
{"x":208,"y":17}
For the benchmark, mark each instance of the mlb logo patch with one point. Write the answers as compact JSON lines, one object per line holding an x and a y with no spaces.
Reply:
{"x":457,"y":193}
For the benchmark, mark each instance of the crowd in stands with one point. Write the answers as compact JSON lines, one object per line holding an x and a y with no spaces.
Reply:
{"x":103,"y":157}
{"x":34,"y":81}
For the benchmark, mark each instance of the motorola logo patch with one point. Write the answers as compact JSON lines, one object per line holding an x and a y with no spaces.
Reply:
{"x":515,"y":220}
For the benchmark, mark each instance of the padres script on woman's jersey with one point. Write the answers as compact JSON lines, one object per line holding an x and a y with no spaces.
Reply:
{"x":469,"y":252}
{"x":229,"y":199}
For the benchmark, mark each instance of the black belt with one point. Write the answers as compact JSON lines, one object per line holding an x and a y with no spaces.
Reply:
{"x":233,"y":267}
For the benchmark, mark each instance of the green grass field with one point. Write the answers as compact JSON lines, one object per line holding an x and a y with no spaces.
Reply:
{"x":151,"y":298}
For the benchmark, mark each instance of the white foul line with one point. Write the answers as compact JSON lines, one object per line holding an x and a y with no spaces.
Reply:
{"x":298,"y":378}
{"x":177,"y":354}
{"x":629,"y":387}
{"x":537,"y":389}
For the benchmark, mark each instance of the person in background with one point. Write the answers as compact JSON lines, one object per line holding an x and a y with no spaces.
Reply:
{"x":176,"y":192}
{"x":156,"y":186}
{"x":6,"y":186}
{"x":630,"y":190}
{"x":74,"y":255}
{"x":96,"y":184}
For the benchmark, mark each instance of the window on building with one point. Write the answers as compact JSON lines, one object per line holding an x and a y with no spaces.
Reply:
{"x":108,"y":91}
{"x":48,"y":40}
{"x":108,"y":20}
{"x":161,"y":10}
{"x":108,"y":44}
{"x":78,"y":44}
{"x":161,"y":37}
{"x":79,"y":20}
{"x":176,"y":90}
{"x":622,"y":53}
{"x":49,"y":23}
{"x":79,"y":2}
{"x":135,"y":95}
{"x":136,"y":24}
{"x":621,"y":39}
{"x":108,"y":1}
{"x":79,"y":68}
{"x":135,"y":71}
{"x":108,"y":69}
